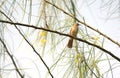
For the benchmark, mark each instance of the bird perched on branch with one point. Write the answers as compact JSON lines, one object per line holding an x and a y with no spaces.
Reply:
{"x":73,"y":32}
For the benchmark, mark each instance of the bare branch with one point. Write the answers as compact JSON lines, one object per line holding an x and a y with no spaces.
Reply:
{"x":53,"y":31}
{"x":13,"y":61}
{"x":115,"y":42}
{"x":30,"y":45}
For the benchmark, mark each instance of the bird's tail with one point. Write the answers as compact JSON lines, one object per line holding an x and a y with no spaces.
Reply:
{"x":70,"y":42}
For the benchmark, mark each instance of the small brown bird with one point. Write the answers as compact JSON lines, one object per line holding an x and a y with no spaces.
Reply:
{"x":73,"y":32}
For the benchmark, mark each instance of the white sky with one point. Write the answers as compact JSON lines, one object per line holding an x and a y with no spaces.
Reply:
{"x":93,"y":16}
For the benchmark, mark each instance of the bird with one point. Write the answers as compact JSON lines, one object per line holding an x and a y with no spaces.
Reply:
{"x":73,"y":32}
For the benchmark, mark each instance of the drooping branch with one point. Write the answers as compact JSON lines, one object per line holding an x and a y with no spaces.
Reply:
{"x":30,"y":45}
{"x":11,"y":56}
{"x":96,"y":30}
{"x":63,"y":34}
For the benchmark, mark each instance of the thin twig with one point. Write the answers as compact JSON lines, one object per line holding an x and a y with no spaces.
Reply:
{"x":115,"y":42}
{"x":11,"y":56}
{"x":67,"y":35}
{"x":35,"y":52}
{"x":30,"y":45}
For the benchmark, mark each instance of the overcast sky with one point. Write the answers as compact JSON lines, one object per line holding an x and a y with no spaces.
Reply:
{"x":95,"y":15}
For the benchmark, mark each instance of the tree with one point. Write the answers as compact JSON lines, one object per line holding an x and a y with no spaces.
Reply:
{"x":34,"y":36}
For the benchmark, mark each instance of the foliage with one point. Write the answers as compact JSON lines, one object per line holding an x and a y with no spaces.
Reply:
{"x":35,"y":53}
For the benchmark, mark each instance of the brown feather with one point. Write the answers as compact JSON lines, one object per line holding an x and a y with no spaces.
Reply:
{"x":73,"y":32}
{"x":70,"y":42}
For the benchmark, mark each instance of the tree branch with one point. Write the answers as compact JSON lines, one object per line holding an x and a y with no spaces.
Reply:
{"x":11,"y":56}
{"x":96,"y":30}
{"x":53,"y":31}
{"x":30,"y":45}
